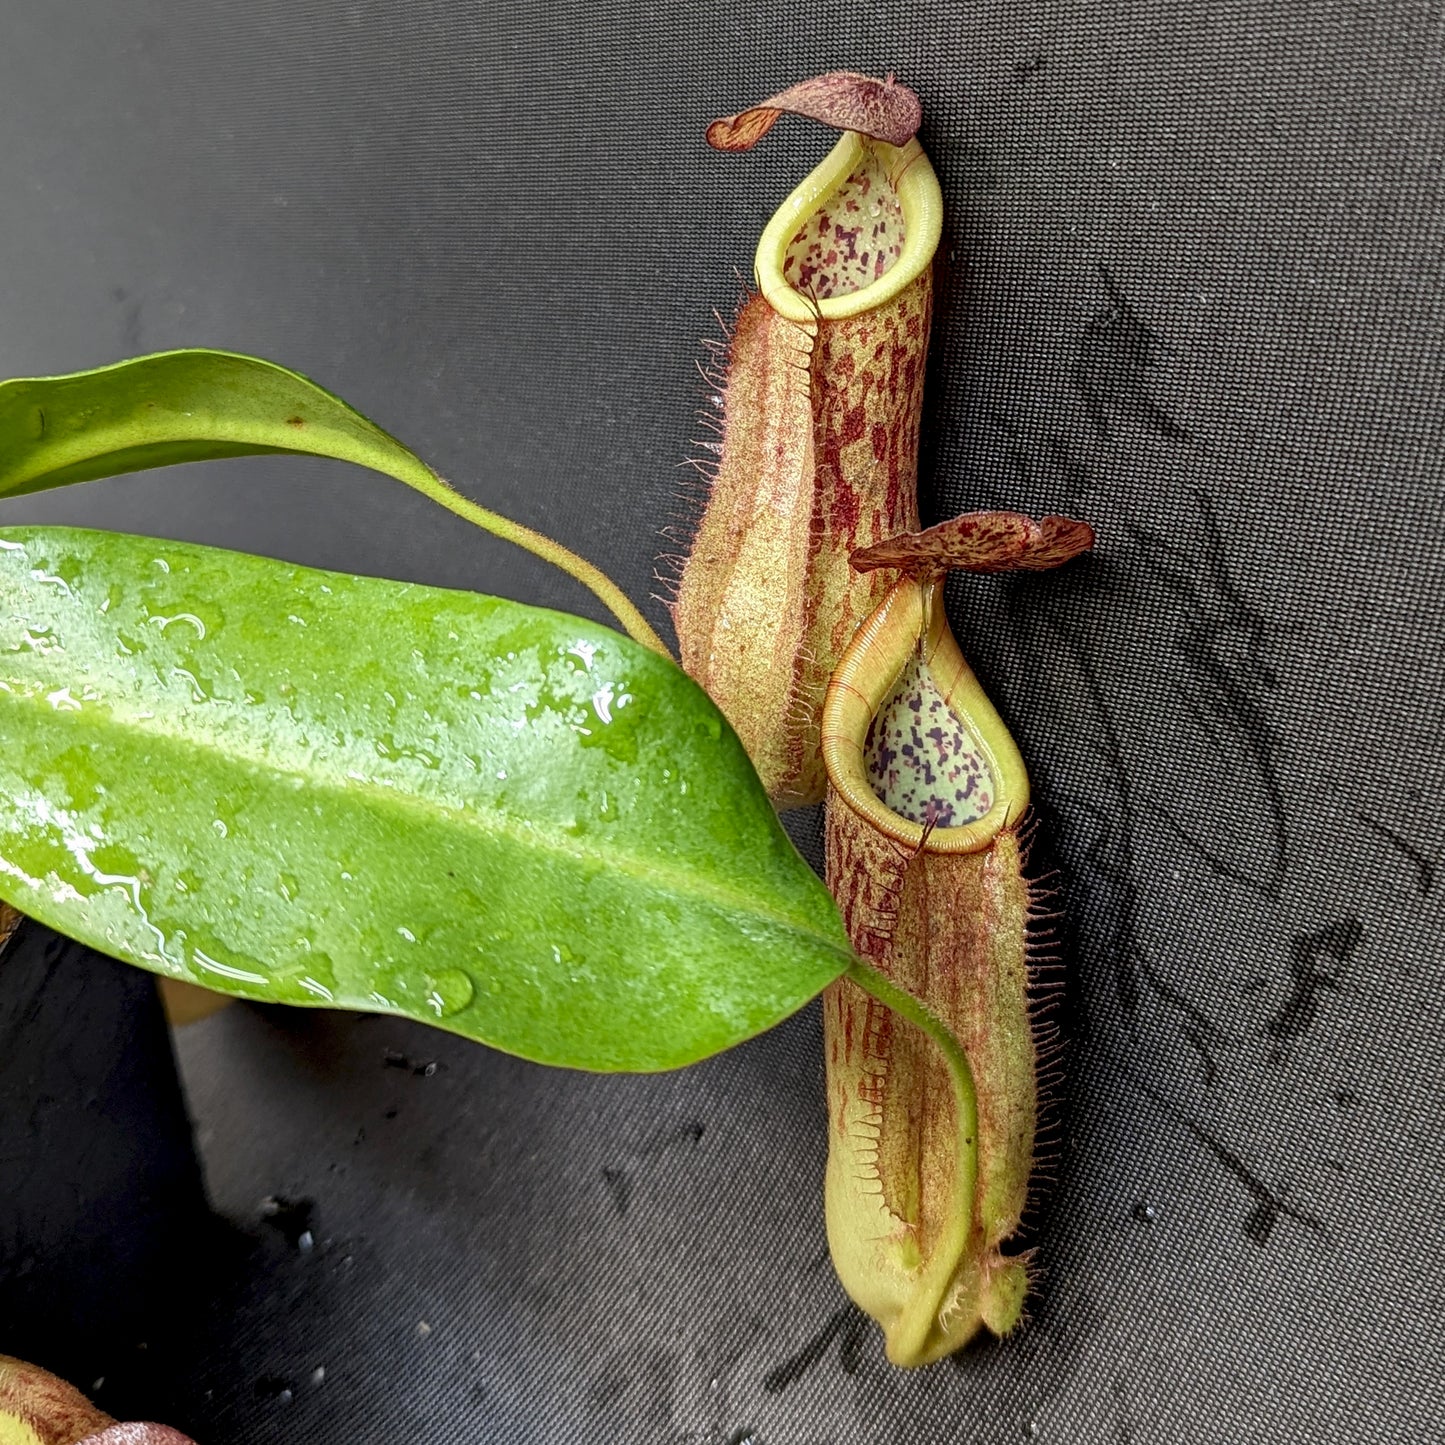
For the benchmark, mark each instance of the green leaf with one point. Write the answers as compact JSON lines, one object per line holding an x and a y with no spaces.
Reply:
{"x":197,"y":405}
{"x":313,"y":788}
{"x":179,"y":406}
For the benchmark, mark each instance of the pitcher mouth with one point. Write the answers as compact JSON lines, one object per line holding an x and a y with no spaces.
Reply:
{"x":888,"y":221}
{"x":909,"y":627}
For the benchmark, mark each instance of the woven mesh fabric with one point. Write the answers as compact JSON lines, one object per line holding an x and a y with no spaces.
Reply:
{"x":1189,"y":289}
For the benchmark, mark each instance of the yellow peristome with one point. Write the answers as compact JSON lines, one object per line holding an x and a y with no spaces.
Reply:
{"x":916,"y":187}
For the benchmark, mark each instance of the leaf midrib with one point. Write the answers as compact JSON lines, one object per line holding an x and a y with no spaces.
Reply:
{"x":486,"y":821}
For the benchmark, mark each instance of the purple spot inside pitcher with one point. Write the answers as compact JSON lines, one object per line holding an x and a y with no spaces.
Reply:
{"x":922,"y":761}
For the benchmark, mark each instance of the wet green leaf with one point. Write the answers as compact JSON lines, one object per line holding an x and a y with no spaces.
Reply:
{"x":314,"y":788}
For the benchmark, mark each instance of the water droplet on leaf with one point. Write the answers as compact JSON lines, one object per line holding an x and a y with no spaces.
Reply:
{"x":449,"y":991}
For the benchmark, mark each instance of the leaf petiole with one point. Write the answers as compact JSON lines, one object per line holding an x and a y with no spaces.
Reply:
{"x":596,"y":581}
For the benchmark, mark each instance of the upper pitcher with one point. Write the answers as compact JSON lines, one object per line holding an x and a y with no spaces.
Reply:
{"x":819,"y":445}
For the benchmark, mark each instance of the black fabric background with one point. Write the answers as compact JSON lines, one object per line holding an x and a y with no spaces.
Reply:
{"x":1189,"y":289}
